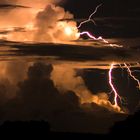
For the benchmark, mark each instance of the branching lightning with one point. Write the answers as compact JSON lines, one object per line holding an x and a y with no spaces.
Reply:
{"x":130,"y":72}
{"x":90,"y":17}
{"x":131,"y":75}
{"x":117,"y":98}
{"x":90,"y":35}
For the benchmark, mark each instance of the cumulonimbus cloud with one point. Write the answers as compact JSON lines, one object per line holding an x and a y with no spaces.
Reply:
{"x":43,"y":22}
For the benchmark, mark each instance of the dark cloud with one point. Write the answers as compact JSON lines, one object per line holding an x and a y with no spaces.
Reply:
{"x":38,"y":95}
{"x":10,"y":6}
{"x":7,"y":91}
{"x":38,"y":99}
{"x":76,"y":52}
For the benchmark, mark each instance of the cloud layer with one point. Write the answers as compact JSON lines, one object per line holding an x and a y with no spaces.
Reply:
{"x":41,"y":21}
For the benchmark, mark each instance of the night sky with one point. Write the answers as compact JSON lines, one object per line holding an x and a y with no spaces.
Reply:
{"x":115,"y":8}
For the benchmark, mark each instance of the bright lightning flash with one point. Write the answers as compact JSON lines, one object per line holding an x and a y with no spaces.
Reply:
{"x":116,"y":95}
{"x":68,"y":31}
{"x":90,"y":35}
{"x":93,"y":37}
{"x":131,"y":74}
{"x":112,"y":86}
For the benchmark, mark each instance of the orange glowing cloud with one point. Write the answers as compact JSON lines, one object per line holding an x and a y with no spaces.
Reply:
{"x":41,"y":22}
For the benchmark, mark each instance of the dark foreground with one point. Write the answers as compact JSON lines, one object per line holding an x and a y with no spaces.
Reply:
{"x":130,"y":126}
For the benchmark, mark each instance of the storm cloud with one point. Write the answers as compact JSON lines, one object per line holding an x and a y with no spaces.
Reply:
{"x":38,"y":98}
{"x":41,"y":21}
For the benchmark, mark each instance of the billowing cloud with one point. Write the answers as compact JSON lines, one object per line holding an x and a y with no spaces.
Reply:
{"x":52,"y":28}
{"x":37,"y":3}
{"x":38,"y":97}
{"x":10,"y":76}
{"x":42,"y":22}
{"x":65,"y":79}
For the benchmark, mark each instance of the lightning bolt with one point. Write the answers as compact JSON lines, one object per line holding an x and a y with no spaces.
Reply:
{"x":90,"y":17}
{"x":100,"y":39}
{"x":88,"y":20}
{"x":116,"y":95}
{"x":93,"y":37}
{"x":90,"y":35}
{"x":131,"y":75}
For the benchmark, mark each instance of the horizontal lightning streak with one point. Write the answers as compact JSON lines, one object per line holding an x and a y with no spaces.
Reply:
{"x":92,"y":37}
{"x":100,"y":39}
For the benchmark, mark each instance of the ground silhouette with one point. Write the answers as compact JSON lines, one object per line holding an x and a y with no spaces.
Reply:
{"x":25,"y":125}
{"x":130,"y":126}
